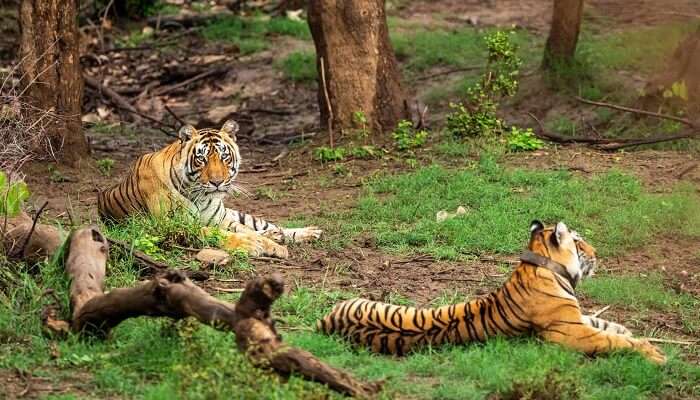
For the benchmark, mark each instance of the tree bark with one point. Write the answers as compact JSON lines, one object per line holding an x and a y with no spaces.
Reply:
{"x":563,"y":34}
{"x":51,"y":72}
{"x":361,"y":72}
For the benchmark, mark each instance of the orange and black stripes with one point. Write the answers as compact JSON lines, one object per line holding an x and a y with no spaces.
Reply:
{"x":537,"y":298}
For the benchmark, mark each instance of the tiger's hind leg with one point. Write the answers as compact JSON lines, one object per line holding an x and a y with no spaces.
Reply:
{"x":280,"y":235}
{"x":605,"y":325}
{"x":591,"y":340}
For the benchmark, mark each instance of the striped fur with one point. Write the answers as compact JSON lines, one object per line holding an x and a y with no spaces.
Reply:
{"x":196,"y":173}
{"x":534,"y":300}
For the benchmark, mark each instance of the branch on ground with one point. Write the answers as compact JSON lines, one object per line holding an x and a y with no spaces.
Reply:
{"x":171,"y":294}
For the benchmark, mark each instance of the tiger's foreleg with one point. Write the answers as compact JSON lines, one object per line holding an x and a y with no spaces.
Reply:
{"x":240,"y":236}
{"x":590,"y":340}
{"x":271,"y":231}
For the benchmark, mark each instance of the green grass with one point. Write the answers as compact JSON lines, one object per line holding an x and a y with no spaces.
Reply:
{"x":421,"y":49}
{"x":643,"y":50}
{"x":299,"y":66}
{"x":611,"y":210}
{"x":641,"y":293}
{"x":252,"y":34}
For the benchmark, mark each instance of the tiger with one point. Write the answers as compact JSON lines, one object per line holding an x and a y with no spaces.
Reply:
{"x":538,"y":298}
{"x":196,"y":173}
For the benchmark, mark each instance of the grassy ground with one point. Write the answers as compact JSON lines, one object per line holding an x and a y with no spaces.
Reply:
{"x":158,"y":359}
{"x":155,"y":359}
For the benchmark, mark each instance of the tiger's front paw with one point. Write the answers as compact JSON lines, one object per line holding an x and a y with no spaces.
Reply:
{"x":301,"y":235}
{"x":651,"y":352}
{"x":254,"y":244}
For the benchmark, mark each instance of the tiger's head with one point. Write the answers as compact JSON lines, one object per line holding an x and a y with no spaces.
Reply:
{"x":564,"y":246}
{"x":211,"y":158}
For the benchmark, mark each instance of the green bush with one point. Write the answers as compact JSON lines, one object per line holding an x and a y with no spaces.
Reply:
{"x":478,"y":116}
{"x":326,"y":154}
{"x":523,"y":140}
{"x":13,"y":195}
{"x":406,"y":137}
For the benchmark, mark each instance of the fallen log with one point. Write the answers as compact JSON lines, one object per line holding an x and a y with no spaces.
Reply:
{"x":171,"y":294}
{"x":20,"y":241}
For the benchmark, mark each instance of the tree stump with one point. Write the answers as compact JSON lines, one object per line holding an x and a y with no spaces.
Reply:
{"x":360,"y":70}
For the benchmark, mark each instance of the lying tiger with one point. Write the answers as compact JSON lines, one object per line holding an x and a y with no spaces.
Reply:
{"x":537,"y":298}
{"x":197,"y":173}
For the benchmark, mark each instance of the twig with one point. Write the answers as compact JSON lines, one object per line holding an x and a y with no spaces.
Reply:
{"x":683,"y":342}
{"x":328,"y":102}
{"x":602,"y":310}
{"x":115,"y":97}
{"x":687,"y":170}
{"x":616,"y":145}
{"x":167,"y":89}
{"x":636,"y":111}
{"x":31,"y":231}
{"x":160,"y":123}
{"x":227,"y":290}
{"x":178,"y":119}
{"x":449,"y":71}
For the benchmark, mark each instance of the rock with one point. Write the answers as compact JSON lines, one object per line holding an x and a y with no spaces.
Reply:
{"x":213,"y":256}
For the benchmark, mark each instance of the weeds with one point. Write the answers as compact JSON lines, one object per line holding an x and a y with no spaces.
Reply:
{"x":478,"y":116}
{"x":523,"y":140}
{"x":299,"y":67}
{"x":407,"y":138}
{"x":249,"y":33}
{"x":13,"y":194}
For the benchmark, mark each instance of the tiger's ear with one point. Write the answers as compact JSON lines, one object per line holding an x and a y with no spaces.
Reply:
{"x":561,"y":233}
{"x":535,"y":226}
{"x":230,"y":128}
{"x":186,"y":132}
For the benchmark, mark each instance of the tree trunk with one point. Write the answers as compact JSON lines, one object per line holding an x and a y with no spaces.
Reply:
{"x":360,"y":69}
{"x":563,"y":34}
{"x":51,"y":72}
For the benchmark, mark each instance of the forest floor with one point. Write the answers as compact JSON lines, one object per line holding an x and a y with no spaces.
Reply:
{"x":640,"y":208}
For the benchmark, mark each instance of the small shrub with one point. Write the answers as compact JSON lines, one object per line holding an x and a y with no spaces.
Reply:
{"x":406,"y":137}
{"x":326,"y":154}
{"x":477,"y":117}
{"x":105,"y":166}
{"x":523,"y":140}
{"x":360,"y":120}
{"x":13,"y":195}
{"x":366,"y":152}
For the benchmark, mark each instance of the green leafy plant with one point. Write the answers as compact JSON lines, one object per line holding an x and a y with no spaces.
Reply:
{"x":105,"y":166}
{"x":477,"y":116}
{"x":360,"y":120}
{"x":326,"y":154}
{"x":13,"y":195}
{"x":299,"y":66}
{"x":366,"y":152}
{"x":523,"y":140}
{"x":406,"y":137}
{"x":149,"y":244}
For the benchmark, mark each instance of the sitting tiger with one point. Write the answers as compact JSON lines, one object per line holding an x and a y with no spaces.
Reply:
{"x":537,"y":298}
{"x":196,"y":173}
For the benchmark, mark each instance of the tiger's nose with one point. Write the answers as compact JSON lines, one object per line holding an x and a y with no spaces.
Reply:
{"x":216,"y":182}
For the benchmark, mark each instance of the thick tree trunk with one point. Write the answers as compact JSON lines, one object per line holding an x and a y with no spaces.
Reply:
{"x":563,"y":34}
{"x":361,"y":72}
{"x":51,"y":71}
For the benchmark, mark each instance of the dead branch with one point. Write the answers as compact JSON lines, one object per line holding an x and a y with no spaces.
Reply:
{"x":31,"y":230}
{"x":449,"y":72}
{"x":43,"y":241}
{"x":328,"y":102}
{"x":172,"y":295}
{"x":206,"y":74}
{"x":610,"y":144}
{"x":115,"y":97}
{"x":637,"y":111}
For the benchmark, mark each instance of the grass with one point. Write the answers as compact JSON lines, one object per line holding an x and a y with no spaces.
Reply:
{"x":299,"y":66}
{"x":641,"y":293}
{"x":399,"y":211}
{"x":252,"y":34}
